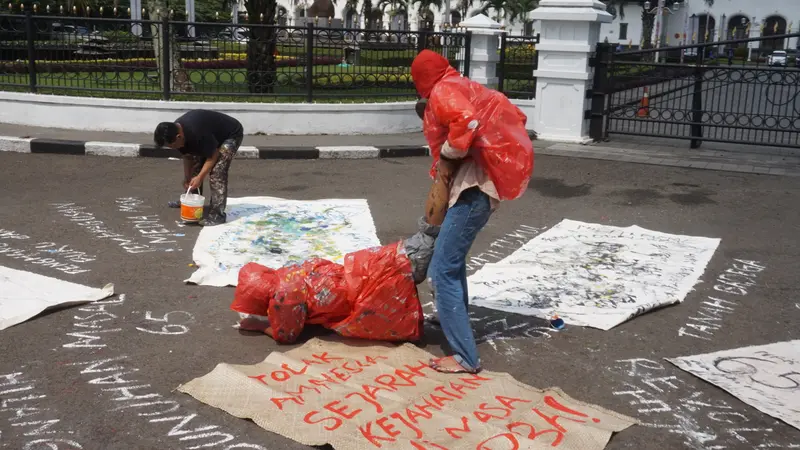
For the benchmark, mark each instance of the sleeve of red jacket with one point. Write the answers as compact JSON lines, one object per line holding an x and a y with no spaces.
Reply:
{"x":453,"y":110}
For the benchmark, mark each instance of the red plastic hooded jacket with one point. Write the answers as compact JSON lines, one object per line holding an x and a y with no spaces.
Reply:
{"x":476,"y":121}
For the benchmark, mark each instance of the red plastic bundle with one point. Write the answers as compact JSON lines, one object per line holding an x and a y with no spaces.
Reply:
{"x":371,"y":296}
{"x":473,"y":117}
{"x":383,"y":296}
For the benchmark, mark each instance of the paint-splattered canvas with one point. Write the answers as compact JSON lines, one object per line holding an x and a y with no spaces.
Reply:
{"x":25,"y":294}
{"x":593,"y":275}
{"x":766,"y":377}
{"x":273,"y":232}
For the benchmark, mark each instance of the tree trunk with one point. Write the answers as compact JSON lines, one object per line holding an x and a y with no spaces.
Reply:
{"x":261,"y":68}
{"x":179,"y":81}
{"x":648,"y":22}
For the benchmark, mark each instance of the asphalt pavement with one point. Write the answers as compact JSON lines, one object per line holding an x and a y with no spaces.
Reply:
{"x":81,"y":372}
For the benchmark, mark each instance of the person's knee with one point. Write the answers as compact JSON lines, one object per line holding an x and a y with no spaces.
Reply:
{"x":443,"y":273}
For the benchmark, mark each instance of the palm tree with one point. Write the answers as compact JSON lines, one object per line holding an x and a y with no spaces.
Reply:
{"x":396,"y":8}
{"x":425,"y":7}
{"x":464,"y":6}
{"x":261,"y":48}
{"x":519,"y":9}
{"x":500,"y":8}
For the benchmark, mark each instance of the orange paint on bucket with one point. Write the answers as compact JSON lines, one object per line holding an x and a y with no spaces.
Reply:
{"x":192,"y":207}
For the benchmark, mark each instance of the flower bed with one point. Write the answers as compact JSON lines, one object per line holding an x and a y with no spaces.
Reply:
{"x":360,"y":81}
{"x":117,"y":65}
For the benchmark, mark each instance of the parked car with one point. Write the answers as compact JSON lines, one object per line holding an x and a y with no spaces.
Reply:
{"x":778,"y":58}
{"x":237,"y":34}
{"x":73,"y":33}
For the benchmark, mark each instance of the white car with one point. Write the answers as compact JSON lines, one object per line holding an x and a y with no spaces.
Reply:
{"x":237,"y":34}
{"x":778,"y":58}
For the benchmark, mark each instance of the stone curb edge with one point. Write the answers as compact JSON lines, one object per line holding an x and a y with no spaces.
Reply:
{"x":65,"y":147}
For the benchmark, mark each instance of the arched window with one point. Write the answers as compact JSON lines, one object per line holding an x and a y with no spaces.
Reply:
{"x":706,"y":28}
{"x":773,"y":26}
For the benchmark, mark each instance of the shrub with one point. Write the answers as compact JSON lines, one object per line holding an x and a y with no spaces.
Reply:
{"x":521,"y":52}
{"x":117,"y":65}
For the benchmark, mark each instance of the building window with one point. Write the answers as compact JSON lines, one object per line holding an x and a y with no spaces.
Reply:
{"x":623,"y":31}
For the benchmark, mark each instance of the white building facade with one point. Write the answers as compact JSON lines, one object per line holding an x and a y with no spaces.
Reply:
{"x":725,"y":20}
{"x":350,"y":17}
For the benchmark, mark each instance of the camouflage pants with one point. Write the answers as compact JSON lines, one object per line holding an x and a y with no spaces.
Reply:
{"x":218,"y":177}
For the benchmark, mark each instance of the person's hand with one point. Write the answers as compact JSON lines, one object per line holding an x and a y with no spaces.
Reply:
{"x":447,"y":170}
{"x":195,"y":182}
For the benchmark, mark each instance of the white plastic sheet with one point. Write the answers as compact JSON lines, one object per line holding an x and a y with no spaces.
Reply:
{"x":593,"y":275}
{"x":766,"y":377}
{"x":26,"y":294}
{"x":274,"y":231}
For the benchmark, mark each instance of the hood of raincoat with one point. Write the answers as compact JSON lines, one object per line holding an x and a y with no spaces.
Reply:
{"x":428,"y":69}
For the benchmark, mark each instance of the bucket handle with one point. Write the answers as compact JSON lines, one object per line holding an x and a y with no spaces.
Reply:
{"x":188,"y":190}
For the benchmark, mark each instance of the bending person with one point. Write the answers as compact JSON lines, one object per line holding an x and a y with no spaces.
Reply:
{"x":480,"y":128}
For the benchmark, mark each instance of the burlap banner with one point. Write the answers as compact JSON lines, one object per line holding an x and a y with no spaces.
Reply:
{"x":365,"y":397}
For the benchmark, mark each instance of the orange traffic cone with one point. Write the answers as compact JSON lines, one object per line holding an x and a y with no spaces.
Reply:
{"x":644,"y":106}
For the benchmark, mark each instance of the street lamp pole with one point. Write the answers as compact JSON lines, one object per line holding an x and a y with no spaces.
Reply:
{"x":659,"y":12}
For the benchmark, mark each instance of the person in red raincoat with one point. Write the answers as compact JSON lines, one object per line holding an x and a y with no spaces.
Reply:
{"x":485,"y":133}
{"x":372,"y":295}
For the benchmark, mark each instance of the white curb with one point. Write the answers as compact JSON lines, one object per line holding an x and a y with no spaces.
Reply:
{"x":247,"y":152}
{"x":348,"y":152}
{"x":15,"y":144}
{"x":112,"y":149}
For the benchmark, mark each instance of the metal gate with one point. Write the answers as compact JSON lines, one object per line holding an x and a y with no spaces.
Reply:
{"x":727,"y":91}
{"x":518,"y":60}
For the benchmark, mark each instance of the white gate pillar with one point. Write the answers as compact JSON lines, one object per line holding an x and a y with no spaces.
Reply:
{"x":569,"y":32}
{"x":483,"y":50}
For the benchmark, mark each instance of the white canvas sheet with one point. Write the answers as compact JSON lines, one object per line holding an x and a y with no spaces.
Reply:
{"x":26,"y":294}
{"x":593,"y":275}
{"x":766,"y":377}
{"x":274,"y":231}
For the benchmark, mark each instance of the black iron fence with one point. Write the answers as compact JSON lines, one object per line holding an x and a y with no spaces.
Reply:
{"x":704,"y":92}
{"x":518,"y":60}
{"x":168,"y":59}
{"x":212,"y":61}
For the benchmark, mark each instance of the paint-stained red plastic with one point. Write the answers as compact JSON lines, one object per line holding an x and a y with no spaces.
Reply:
{"x":372,"y":295}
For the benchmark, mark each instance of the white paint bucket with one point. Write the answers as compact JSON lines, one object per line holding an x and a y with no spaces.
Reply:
{"x":192,"y":207}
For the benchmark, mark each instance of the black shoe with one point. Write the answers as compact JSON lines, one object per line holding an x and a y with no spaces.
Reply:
{"x":211,"y":222}
{"x":174,"y":204}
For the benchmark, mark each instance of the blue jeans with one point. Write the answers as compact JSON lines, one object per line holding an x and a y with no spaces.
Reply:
{"x":448,"y":272}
